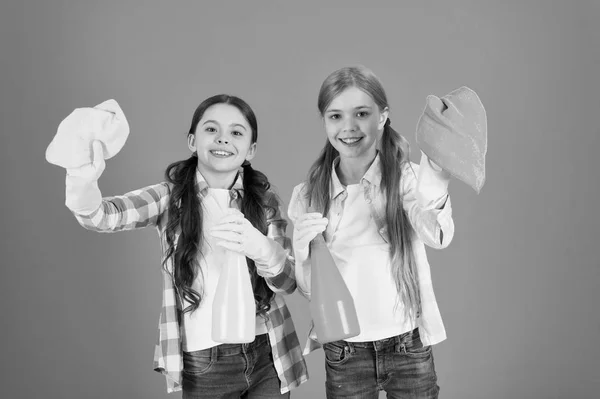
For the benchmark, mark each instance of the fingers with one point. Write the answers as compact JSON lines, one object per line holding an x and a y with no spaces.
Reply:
{"x":312,"y":229}
{"x":311,"y":221}
{"x":232,"y":216}
{"x":311,"y":215}
{"x":307,"y":227}
{"x":307,"y":236}
{"x":229,"y":226}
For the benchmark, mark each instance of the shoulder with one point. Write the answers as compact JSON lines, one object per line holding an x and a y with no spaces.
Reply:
{"x":271,"y":198}
{"x":162,"y":190}
{"x":300,"y":189}
{"x":299,"y":194}
{"x":298,"y":201}
{"x":409,"y":170}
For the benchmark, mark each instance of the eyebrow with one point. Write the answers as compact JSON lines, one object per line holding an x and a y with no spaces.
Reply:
{"x":217,"y":123}
{"x":355,"y":108}
{"x":237,"y":124}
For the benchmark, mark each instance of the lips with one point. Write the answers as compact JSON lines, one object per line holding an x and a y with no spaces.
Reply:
{"x":350,"y":140}
{"x":221,"y":153}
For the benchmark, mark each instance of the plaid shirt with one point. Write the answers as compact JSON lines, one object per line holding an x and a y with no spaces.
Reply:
{"x":148,"y":207}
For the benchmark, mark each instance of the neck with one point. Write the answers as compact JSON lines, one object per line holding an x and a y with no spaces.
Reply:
{"x":216,"y":179}
{"x":351,"y":170}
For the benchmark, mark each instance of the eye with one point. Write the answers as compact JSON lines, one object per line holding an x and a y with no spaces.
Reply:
{"x":237,"y":133}
{"x":334,"y":116}
{"x":363,"y":114}
{"x":210,"y":129}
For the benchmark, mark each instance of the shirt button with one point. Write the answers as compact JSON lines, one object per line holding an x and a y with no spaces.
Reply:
{"x":368,"y":200}
{"x":233,"y":194}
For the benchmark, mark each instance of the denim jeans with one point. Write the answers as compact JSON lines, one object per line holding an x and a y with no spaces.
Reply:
{"x":401,"y":366}
{"x":229,"y":371}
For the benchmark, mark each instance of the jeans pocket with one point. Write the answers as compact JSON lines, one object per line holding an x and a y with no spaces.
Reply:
{"x":413,"y":346}
{"x":336,"y":353}
{"x":197,"y":363}
{"x":421,"y":352}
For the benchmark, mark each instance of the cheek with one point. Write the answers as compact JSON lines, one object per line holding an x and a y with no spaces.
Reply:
{"x":244,"y":145}
{"x":331,"y":129}
{"x":370,"y":126}
{"x":201,"y":142}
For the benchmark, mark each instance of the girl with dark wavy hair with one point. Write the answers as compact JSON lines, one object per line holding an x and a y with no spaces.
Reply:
{"x":211,"y":200}
{"x":377,"y":210}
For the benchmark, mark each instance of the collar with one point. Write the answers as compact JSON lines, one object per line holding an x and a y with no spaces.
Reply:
{"x":236,"y":188}
{"x":372,"y":176}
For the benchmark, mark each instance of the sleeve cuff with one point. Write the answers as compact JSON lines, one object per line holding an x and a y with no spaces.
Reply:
{"x":274,"y":265}
{"x":432,"y":184}
{"x":82,"y":197}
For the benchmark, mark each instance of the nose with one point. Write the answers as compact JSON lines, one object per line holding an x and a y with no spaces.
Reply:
{"x":349,"y":124}
{"x":222,"y":139}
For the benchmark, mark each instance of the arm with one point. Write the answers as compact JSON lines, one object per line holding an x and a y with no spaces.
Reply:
{"x":272,"y":260}
{"x":278,"y":271}
{"x":302,"y":267}
{"x":426,"y":201}
{"x":134,"y":210}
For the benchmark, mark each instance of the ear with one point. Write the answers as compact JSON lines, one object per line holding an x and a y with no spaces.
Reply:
{"x":383,"y":116}
{"x":251,"y":152}
{"x":192,"y":142}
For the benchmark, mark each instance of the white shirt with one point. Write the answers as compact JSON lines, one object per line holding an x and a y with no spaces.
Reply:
{"x":198,"y":324}
{"x":362,"y":256}
{"x":357,"y":239}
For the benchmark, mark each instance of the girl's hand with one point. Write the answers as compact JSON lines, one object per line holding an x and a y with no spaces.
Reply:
{"x":306,"y":228}
{"x":82,"y":194}
{"x":237,"y":234}
{"x":92,"y":171}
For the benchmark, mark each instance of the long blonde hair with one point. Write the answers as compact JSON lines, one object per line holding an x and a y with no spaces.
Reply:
{"x":393,"y":155}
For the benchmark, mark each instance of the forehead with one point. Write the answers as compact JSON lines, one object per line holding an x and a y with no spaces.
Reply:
{"x":224,"y":114}
{"x":351,"y":98}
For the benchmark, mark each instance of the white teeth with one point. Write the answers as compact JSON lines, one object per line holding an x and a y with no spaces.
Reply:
{"x":222,"y":153}
{"x":350,"y":140}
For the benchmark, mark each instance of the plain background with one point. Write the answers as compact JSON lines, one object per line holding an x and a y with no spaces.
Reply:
{"x":518,"y":287}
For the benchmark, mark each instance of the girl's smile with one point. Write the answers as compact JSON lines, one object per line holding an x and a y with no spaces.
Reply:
{"x":350,"y":141}
{"x":221,"y":153}
{"x":222,"y":141}
{"x":353,"y":123}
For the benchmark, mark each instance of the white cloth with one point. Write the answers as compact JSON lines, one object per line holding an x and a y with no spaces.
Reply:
{"x":452,"y":131}
{"x":71,"y":147}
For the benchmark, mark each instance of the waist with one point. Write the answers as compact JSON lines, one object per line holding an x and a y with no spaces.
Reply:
{"x":232,"y":349}
{"x":409,"y":338}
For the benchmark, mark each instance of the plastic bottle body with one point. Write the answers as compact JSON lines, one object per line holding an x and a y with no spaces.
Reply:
{"x":331,"y":305}
{"x":234,"y":308}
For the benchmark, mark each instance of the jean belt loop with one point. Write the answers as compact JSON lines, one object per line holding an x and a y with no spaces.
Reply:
{"x":399,"y":345}
{"x":214,"y":354}
{"x":350,"y":347}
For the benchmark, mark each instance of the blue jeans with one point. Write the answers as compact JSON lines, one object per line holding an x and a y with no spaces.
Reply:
{"x":231,"y":371}
{"x":401,"y":366}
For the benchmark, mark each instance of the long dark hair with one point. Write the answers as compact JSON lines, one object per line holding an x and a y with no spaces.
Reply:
{"x":393,"y":149}
{"x":185,"y":214}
